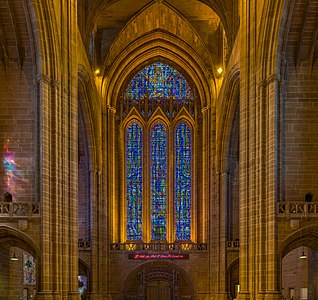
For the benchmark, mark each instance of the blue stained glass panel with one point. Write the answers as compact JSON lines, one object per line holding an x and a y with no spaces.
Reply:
{"x":183,"y":163}
{"x":29,"y":269}
{"x":158,"y":82}
{"x":158,"y":165}
{"x":134,"y":169}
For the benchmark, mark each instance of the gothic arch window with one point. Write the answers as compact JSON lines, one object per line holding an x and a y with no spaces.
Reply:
{"x":134,"y":180}
{"x":158,"y":191}
{"x":183,"y":180}
{"x":157,"y":109}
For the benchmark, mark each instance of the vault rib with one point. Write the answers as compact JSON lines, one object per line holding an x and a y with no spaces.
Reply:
{"x":15,"y":32}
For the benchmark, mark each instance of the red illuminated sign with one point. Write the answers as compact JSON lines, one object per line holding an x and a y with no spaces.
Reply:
{"x":158,"y":256}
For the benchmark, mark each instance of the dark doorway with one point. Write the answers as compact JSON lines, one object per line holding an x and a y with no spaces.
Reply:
{"x":158,"y":290}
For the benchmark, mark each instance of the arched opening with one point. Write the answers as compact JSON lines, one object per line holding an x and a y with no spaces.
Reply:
{"x":299,"y":265}
{"x":83,"y":279}
{"x":157,"y":120}
{"x":158,"y":281}
{"x":233,"y":278}
{"x":159,"y":290}
{"x":300,"y":274}
{"x":18,"y":265}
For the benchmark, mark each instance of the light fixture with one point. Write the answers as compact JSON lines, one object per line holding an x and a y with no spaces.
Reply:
{"x":14,"y":258}
{"x":303,"y":255}
{"x":97,"y":72}
{"x":220,"y":71}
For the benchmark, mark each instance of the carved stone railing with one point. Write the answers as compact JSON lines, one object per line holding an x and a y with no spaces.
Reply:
{"x":298,"y":209}
{"x":84,"y":245}
{"x":233,"y":245}
{"x":159,"y":246}
{"x":19,"y":209}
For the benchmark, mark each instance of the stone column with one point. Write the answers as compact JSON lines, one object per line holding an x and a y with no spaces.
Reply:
{"x":261,"y":140}
{"x":210,"y":236}
{"x":58,"y":243}
{"x":206,"y":175}
{"x":111,"y":176}
{"x":273,"y":268}
{"x":247,"y":151}
{"x":58,"y":123}
{"x":221,"y":197}
{"x":69,"y":149}
{"x":95,"y":236}
{"x":45,"y":263}
{"x":105,"y":204}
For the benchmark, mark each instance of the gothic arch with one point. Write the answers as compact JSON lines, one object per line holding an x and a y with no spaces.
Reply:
{"x":45,"y":34}
{"x":233,"y":276}
{"x":90,"y":116}
{"x":160,"y":270}
{"x":228,"y":108}
{"x":10,"y":237}
{"x":270,"y":44}
{"x":168,"y":18}
{"x":158,"y":46}
{"x":307,"y":236}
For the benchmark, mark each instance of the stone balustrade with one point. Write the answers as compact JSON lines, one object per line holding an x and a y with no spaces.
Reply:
{"x":233,"y":245}
{"x":181,"y":246}
{"x":84,"y":245}
{"x":19,"y":209}
{"x":297,"y":209}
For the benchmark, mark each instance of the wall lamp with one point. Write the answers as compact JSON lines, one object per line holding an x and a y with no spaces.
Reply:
{"x":14,"y":258}
{"x":303,"y":255}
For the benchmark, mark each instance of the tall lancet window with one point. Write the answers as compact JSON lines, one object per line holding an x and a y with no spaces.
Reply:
{"x":134,"y":176}
{"x":183,"y":181}
{"x":158,"y":166}
{"x":158,"y":109}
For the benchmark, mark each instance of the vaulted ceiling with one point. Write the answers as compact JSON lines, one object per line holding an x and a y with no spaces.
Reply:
{"x":208,"y":26}
{"x":109,"y":19}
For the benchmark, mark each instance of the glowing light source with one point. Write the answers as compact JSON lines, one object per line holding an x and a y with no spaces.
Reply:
{"x":97,"y":72}
{"x":303,"y":255}
{"x":156,"y":256}
{"x":14,"y":258}
{"x":220,"y":71}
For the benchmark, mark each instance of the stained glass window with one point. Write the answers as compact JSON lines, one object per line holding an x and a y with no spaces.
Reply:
{"x":158,"y":84}
{"x":29,"y":269}
{"x":183,"y":159}
{"x":158,"y":165}
{"x":134,"y":169}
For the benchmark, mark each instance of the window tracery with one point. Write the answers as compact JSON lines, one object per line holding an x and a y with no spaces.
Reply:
{"x":148,"y":154}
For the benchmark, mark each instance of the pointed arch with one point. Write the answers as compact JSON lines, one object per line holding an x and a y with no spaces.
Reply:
{"x":183,"y":152}
{"x":134,"y":179}
{"x":158,"y":46}
{"x":306,"y":236}
{"x":10,"y":237}
{"x":184,"y":283}
{"x":164,"y":132}
{"x":45,"y":34}
{"x":158,"y":139}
